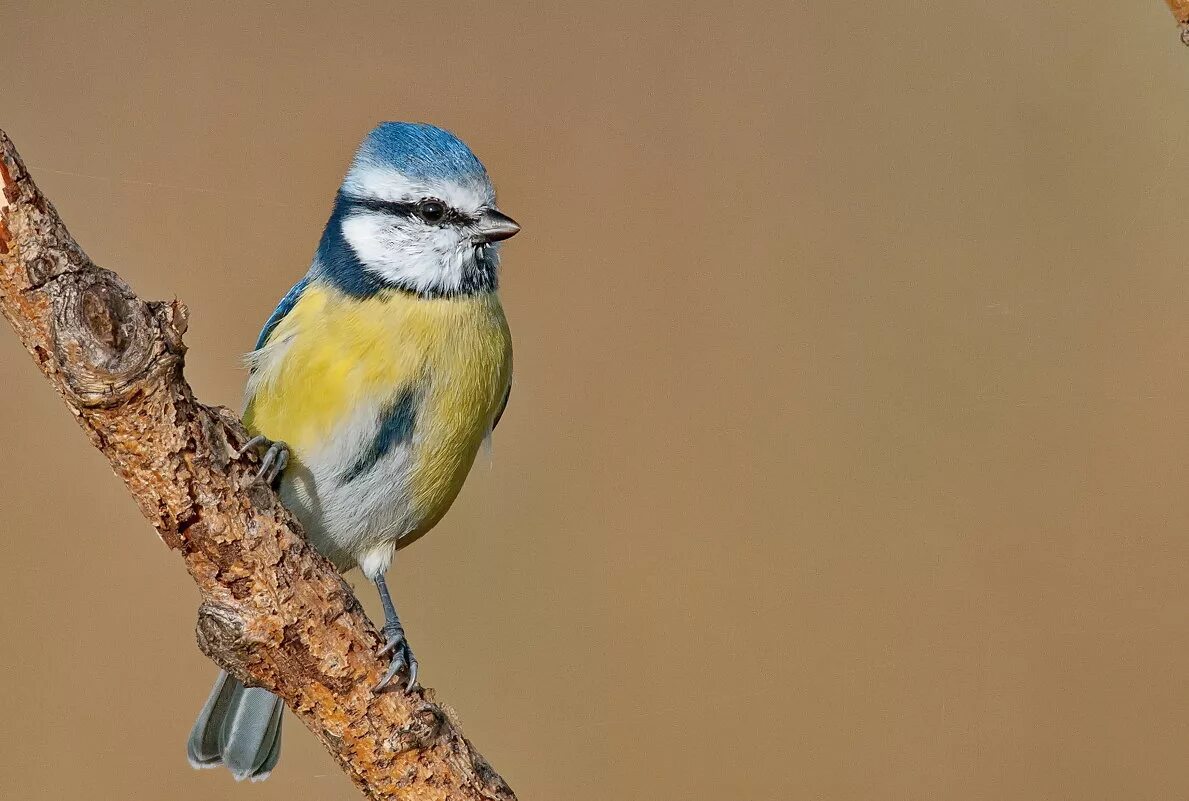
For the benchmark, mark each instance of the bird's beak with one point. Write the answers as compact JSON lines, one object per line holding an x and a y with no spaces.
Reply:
{"x":495,"y":226}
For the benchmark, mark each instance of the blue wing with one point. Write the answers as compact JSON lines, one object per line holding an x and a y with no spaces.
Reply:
{"x":397,"y":424}
{"x":284,"y":307}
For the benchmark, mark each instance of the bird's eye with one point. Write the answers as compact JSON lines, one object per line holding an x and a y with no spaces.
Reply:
{"x":432,"y":211}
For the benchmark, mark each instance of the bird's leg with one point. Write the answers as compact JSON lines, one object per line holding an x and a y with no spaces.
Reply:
{"x":394,"y":642}
{"x":274,"y":460}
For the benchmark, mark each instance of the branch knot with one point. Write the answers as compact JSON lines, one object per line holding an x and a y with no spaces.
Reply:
{"x":220,"y":632}
{"x":105,"y":339}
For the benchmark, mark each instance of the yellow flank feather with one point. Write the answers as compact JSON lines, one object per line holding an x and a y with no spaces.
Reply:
{"x":333,"y":354}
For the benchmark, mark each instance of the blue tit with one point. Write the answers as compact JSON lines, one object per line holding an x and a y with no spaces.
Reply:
{"x":374,"y":384}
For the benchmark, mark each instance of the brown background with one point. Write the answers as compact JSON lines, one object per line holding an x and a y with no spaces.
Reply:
{"x":847,"y":457}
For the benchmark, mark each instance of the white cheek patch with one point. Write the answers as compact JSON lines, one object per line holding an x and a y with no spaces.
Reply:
{"x":408,"y":253}
{"x":385,"y":183}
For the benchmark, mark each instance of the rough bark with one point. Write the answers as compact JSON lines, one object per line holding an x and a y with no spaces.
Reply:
{"x":273,"y":612}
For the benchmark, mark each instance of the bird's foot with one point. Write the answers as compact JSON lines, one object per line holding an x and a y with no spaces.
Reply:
{"x":273,"y":461}
{"x":402,"y":658}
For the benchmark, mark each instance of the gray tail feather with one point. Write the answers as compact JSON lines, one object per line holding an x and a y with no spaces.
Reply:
{"x":239,"y":727}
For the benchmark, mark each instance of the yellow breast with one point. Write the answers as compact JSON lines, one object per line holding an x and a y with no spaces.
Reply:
{"x":333,"y":355}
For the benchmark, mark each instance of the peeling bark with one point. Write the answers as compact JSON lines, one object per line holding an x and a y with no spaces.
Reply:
{"x":274,"y":612}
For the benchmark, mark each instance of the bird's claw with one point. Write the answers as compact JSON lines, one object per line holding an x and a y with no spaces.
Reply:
{"x":402,"y":658}
{"x":272,"y":463}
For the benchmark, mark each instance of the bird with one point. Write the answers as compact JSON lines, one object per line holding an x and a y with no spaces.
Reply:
{"x":372,"y":387}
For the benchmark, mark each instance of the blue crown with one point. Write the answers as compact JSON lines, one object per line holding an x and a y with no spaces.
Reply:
{"x":419,"y":151}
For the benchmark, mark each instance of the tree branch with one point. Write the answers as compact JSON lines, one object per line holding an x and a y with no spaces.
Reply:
{"x":274,"y":612}
{"x":1180,"y":10}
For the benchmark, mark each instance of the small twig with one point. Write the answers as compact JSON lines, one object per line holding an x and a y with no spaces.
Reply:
{"x":1180,"y":10}
{"x":274,"y":612}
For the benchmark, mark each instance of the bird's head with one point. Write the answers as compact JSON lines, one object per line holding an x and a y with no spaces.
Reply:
{"x":416,"y":212}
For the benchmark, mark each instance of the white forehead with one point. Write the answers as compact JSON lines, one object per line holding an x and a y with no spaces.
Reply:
{"x":387,"y":183}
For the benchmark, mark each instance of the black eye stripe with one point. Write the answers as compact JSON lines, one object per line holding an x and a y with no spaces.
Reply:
{"x":386,"y":206}
{"x":452,"y":215}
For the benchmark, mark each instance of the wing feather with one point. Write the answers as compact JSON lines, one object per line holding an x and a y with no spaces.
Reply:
{"x":283,"y":308}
